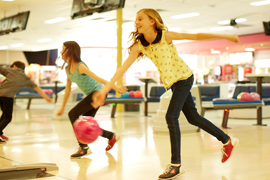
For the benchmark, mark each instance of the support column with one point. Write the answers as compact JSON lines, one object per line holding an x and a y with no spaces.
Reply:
{"x":225,"y":118}
{"x":259,"y":109}
{"x":119,"y":22}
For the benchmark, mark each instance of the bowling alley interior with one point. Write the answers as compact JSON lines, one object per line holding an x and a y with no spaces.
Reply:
{"x":231,"y":89}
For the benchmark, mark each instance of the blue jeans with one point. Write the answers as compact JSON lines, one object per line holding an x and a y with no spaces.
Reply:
{"x":182,"y":100}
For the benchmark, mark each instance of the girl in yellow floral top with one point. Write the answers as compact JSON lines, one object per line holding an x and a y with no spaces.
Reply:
{"x":151,"y":39}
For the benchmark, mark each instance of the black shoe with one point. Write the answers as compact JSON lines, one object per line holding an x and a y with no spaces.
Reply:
{"x":82,"y":151}
{"x":171,"y":172}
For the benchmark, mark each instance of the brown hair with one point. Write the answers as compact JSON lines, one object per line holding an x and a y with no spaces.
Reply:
{"x":159,"y":25}
{"x":73,"y":51}
{"x":18,"y":64}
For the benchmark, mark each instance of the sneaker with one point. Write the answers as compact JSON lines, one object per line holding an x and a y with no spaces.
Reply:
{"x":228,"y":148}
{"x":111,"y":142}
{"x":171,"y":172}
{"x":2,"y":140}
{"x":81,"y":151}
{"x":4,"y":137}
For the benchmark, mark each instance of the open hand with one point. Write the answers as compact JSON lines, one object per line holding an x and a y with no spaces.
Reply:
{"x":235,"y":39}
{"x":121,"y":89}
{"x":60,"y":112}
{"x":48,"y":99}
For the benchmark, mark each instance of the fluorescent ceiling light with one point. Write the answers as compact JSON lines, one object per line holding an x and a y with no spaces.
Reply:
{"x":17,"y":45}
{"x":221,"y":28}
{"x":55,"y":20}
{"x":228,"y":21}
{"x":249,"y":49}
{"x":38,"y":49}
{"x":3,"y":47}
{"x":8,"y":0}
{"x":181,"y":16}
{"x":260,"y":3}
{"x":240,"y":20}
{"x":224,"y":22}
{"x":44,"y":40}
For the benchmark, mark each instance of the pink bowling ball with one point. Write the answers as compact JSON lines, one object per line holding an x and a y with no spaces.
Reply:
{"x":255,"y":96}
{"x":131,"y":94}
{"x":86,"y":129}
{"x":49,"y":91}
{"x":245,"y":97}
{"x":44,"y":90}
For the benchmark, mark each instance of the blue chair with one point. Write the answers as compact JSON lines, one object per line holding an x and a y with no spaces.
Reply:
{"x":155,"y":93}
{"x":208,"y":93}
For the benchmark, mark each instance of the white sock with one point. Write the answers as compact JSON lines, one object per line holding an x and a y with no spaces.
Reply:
{"x":228,"y":142}
{"x":176,"y":165}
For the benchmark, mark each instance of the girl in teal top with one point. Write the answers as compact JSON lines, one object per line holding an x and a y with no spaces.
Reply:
{"x":89,"y":83}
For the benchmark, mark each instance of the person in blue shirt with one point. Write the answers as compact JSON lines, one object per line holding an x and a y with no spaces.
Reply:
{"x":78,"y":72}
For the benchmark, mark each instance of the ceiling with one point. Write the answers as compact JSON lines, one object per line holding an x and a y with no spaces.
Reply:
{"x":102,"y":32}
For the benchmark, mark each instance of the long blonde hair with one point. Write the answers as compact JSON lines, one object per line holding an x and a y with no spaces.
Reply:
{"x":159,"y":25}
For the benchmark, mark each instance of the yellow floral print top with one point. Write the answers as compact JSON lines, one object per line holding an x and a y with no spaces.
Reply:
{"x":171,"y":67}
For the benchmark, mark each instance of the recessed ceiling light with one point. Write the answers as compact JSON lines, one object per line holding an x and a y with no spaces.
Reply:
{"x":260,"y":3}
{"x":3,"y":47}
{"x":55,"y":20}
{"x":249,"y":49}
{"x":181,"y":16}
{"x":44,"y":40}
{"x":222,"y":28}
{"x":227,"y":48}
{"x":17,"y":45}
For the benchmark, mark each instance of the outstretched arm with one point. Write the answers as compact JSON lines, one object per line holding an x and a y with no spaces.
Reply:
{"x":99,"y":97}
{"x":39,"y":91}
{"x":66,"y":96}
{"x":169,"y":35}
{"x":84,"y":70}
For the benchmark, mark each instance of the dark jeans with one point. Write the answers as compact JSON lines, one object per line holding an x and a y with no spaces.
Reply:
{"x":182,"y":100}
{"x":84,"y":108}
{"x":7,"y":109}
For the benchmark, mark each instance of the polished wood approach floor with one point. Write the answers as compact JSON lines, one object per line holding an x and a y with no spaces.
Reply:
{"x":140,"y":154}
